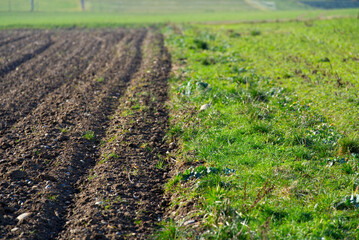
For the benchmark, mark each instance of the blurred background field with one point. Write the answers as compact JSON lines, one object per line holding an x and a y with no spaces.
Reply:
{"x":47,"y":13}
{"x":163,"y":6}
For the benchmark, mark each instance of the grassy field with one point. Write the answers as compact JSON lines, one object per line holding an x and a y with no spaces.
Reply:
{"x":40,"y":5}
{"x":146,"y":5}
{"x":318,"y":61}
{"x":67,"y":13}
{"x":266,"y":119}
{"x":154,"y":6}
{"x":98,"y":19}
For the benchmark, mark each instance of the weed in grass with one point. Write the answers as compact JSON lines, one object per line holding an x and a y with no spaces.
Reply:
{"x":234,"y":35}
{"x":200,"y":44}
{"x":208,"y":61}
{"x":347,"y":169}
{"x":255,"y":33}
{"x":350,"y":201}
{"x":325,"y":59}
{"x":261,"y":127}
{"x":263,"y":192}
{"x":169,"y":231}
{"x":202,"y":171}
{"x":349,"y":145}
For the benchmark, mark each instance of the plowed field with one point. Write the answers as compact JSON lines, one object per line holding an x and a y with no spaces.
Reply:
{"x":82,"y":121}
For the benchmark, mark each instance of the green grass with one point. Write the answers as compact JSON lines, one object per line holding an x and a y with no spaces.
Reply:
{"x":142,"y":5}
{"x":40,"y":5}
{"x":89,"y":135}
{"x":99,"y":79}
{"x":112,"y":19}
{"x":318,"y":60}
{"x":106,"y":157}
{"x":274,"y":156}
{"x":52,"y":197}
{"x":151,"y":6}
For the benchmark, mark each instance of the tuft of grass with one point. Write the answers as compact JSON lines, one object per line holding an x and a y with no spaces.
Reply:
{"x":91,"y":177}
{"x":107,"y":157}
{"x":200,"y":44}
{"x":112,"y":139}
{"x":169,"y":230}
{"x":255,"y":33}
{"x":89,"y":135}
{"x":138,"y":222}
{"x":52,"y":197}
{"x":64,"y":130}
{"x":349,"y":145}
{"x":160,"y":164}
{"x":100,"y":79}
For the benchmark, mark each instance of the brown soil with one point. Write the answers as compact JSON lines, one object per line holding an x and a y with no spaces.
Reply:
{"x":55,"y":90}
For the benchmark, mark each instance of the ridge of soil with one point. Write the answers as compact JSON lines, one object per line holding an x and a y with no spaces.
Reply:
{"x":81,"y":134}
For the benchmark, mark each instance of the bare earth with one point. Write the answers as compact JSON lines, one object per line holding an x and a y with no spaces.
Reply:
{"x":54,"y":87}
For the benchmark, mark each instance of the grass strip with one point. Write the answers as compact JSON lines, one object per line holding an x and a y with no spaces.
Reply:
{"x":125,"y":19}
{"x":255,"y":158}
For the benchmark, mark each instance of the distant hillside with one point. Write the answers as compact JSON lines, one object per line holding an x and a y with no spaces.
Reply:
{"x":160,"y":6}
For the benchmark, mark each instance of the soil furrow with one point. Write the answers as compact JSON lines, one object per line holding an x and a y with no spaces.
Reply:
{"x":82,"y":131}
{"x":9,"y":36}
{"x":36,"y":66}
{"x":12,"y":40}
{"x":49,"y":107}
{"x":21,"y":100}
{"x":16,"y":46}
{"x":77,"y":113}
{"x":22,"y":153}
{"x":122,"y":195}
{"x":43,"y":45}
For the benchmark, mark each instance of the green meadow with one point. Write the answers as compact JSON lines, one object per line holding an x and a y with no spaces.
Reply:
{"x":264,"y":111}
{"x":267,"y":119}
{"x":107,"y":13}
{"x":98,"y":19}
